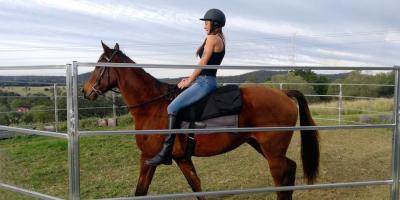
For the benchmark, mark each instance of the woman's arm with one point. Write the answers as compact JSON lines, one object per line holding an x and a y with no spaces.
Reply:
{"x":207,"y":53}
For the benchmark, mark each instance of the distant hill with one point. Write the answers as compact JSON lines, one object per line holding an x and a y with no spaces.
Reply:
{"x":254,"y":77}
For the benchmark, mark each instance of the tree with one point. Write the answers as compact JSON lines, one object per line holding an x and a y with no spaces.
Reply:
{"x":302,"y":85}
{"x":356,"y":77}
{"x":312,"y":77}
{"x":41,"y":114}
{"x":14,"y":117}
{"x":27,"y":118}
{"x":16,"y":103}
{"x":4,"y":120}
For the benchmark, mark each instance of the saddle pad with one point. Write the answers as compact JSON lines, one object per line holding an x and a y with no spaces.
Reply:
{"x":228,"y":121}
{"x":226,"y":100}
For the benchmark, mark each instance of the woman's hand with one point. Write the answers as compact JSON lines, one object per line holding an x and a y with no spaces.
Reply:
{"x":184,"y":83}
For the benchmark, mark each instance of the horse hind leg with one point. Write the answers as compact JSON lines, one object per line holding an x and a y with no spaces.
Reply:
{"x":188,"y":170}
{"x":282,"y":169}
{"x":288,"y":178}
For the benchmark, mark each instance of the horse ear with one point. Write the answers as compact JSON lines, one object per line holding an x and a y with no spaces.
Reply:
{"x":105,"y":47}
{"x":116,"y":47}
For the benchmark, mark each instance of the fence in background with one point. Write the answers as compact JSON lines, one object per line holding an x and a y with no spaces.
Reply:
{"x":74,"y":133}
{"x":339,"y":96}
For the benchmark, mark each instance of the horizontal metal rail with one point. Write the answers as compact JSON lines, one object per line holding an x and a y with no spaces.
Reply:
{"x":36,"y":132}
{"x":320,"y":95}
{"x":230,"y":130}
{"x":356,"y":97}
{"x":24,"y":67}
{"x":258,"y":190}
{"x":349,"y":109}
{"x":336,"y":84}
{"x":347,"y":121}
{"x":25,"y":96}
{"x":329,"y":107}
{"x":238,"y":67}
{"x":27,"y":192}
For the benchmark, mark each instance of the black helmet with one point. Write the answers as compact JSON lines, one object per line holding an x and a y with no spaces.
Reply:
{"x":216,"y":16}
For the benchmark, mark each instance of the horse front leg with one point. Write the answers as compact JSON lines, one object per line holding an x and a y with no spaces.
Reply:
{"x":188,"y":170}
{"x":145,"y":176}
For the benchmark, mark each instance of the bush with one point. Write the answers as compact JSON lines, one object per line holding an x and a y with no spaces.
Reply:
{"x":125,"y":120}
{"x":4,"y":120}
{"x":41,"y":114}
{"x":27,"y":118}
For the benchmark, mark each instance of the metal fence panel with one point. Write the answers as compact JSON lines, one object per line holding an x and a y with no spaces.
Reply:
{"x":74,"y":133}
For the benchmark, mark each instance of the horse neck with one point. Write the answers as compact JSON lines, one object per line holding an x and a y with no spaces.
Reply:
{"x":137,"y":86}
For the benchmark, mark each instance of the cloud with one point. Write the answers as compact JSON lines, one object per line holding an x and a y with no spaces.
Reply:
{"x":257,"y":33}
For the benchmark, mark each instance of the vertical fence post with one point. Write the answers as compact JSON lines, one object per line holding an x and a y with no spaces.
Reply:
{"x":73,"y":134}
{"x":394,"y":193}
{"x":114,"y":107}
{"x":55,"y":107}
{"x":340,"y":103}
{"x":280,"y":86}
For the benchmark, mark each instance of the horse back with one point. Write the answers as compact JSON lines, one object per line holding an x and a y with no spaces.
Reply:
{"x":266,"y":106}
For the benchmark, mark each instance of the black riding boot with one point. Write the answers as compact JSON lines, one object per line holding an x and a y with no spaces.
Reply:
{"x":165,"y":155}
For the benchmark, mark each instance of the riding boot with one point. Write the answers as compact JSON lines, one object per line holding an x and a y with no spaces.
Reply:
{"x":165,"y":155}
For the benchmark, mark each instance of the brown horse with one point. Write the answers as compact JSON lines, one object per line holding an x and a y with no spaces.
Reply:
{"x":262,"y":107}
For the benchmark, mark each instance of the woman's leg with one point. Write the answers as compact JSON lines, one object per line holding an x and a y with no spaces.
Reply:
{"x":191,"y":95}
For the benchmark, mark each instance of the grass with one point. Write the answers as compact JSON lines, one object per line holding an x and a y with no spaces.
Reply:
{"x":109,"y":166}
{"x":353,"y":107}
{"x":24,"y":91}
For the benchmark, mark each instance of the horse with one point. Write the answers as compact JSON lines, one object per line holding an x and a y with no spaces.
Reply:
{"x":145,"y":97}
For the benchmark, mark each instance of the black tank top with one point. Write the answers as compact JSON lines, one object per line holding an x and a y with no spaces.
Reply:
{"x":215,"y":59}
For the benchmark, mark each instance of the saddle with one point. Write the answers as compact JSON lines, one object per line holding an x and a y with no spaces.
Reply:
{"x":224,"y":101}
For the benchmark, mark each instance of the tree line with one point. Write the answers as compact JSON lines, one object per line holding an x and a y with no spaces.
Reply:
{"x":329,"y":87}
{"x":39,"y":107}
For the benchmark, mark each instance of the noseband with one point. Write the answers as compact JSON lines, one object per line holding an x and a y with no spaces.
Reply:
{"x":100,"y":76}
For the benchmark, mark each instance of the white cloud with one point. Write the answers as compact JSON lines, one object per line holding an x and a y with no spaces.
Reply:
{"x":45,"y":32}
{"x":392,"y":37}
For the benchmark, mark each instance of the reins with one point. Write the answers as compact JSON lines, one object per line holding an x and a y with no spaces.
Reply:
{"x":151,"y":100}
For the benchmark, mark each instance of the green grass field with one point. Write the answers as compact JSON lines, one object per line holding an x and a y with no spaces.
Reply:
{"x":24,"y":91}
{"x":109,"y":166}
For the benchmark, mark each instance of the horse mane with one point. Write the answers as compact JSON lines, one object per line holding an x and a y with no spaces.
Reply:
{"x":162,"y":86}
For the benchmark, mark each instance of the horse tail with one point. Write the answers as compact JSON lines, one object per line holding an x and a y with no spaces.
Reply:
{"x":309,"y":138}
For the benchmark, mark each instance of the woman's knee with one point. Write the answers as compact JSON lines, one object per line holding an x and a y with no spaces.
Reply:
{"x":171,"y":109}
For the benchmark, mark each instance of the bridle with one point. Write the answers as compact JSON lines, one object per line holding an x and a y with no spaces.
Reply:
{"x":100,"y":76}
{"x":104,"y":69}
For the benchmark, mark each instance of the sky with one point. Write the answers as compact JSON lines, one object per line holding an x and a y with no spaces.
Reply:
{"x":258,"y":32}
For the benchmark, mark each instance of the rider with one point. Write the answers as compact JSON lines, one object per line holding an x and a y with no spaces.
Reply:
{"x":202,"y":81}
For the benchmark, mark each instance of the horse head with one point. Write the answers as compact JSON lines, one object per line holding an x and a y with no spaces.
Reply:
{"x":103,"y":79}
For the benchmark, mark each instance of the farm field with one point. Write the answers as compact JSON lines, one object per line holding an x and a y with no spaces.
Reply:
{"x":25,"y":91}
{"x":109,"y":164}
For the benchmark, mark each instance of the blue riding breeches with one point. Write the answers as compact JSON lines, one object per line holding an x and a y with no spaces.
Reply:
{"x":202,"y":86}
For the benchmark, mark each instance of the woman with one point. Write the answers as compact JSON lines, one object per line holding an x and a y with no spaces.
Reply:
{"x":202,"y":81}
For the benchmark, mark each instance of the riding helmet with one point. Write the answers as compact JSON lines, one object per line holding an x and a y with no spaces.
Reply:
{"x":216,"y":16}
